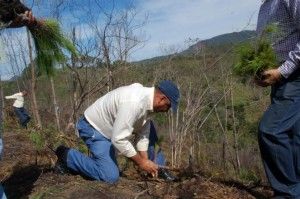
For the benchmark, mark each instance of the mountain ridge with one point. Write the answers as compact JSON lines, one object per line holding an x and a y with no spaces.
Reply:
{"x":216,"y":42}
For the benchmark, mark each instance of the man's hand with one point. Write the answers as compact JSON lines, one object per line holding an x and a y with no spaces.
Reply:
{"x":270,"y":77}
{"x":26,"y":19}
{"x":146,"y":164}
{"x":149,"y":167}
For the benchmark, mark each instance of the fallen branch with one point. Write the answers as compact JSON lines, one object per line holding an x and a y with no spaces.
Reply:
{"x":170,"y":168}
{"x":140,"y":193}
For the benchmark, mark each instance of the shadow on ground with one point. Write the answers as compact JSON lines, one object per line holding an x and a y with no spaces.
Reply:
{"x":21,"y":182}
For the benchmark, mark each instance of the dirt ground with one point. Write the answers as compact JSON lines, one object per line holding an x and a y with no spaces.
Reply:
{"x":26,"y":173}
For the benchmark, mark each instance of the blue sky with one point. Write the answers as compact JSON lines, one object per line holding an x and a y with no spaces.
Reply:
{"x":170,"y":22}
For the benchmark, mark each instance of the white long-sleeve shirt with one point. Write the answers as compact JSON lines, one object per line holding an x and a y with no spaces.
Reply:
{"x":121,"y":112}
{"x":19,"y":102}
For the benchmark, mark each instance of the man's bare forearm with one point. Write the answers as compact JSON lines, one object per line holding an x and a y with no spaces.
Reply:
{"x":138,"y":159}
{"x":143,"y":154}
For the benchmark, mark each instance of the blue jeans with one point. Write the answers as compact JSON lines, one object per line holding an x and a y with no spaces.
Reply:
{"x":157,"y":157}
{"x":102,"y":164}
{"x":279,"y":139}
{"x":2,"y":194}
{"x":23,"y":116}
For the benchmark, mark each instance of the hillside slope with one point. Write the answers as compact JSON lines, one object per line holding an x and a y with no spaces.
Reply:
{"x":27,"y":173}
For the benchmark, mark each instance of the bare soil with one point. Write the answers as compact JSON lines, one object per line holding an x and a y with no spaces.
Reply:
{"x":26,"y":173}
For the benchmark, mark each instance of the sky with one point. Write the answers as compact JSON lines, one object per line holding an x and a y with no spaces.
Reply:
{"x":170,"y":23}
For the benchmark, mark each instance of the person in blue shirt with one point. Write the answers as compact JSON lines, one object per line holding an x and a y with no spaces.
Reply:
{"x":279,"y":128}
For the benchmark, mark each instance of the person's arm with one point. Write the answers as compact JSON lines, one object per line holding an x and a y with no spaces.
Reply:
{"x":26,"y":19}
{"x":123,"y":128}
{"x":14,"y":96}
{"x":293,"y":61}
{"x":143,"y":139}
{"x":143,"y":154}
{"x":145,"y":164}
{"x":128,"y":114}
{"x":15,"y":14}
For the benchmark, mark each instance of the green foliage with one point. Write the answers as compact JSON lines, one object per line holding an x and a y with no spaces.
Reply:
{"x":248,"y":175}
{"x":38,"y":140}
{"x":38,"y":196}
{"x":49,"y":44}
{"x":253,"y":60}
{"x":82,"y":147}
{"x":160,"y":118}
{"x":255,"y":57}
{"x":160,"y":140}
{"x":271,"y":29}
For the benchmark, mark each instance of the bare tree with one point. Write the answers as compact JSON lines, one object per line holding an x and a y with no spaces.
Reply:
{"x":57,"y":7}
{"x":83,"y":76}
{"x":113,"y":40}
{"x":35,"y":109}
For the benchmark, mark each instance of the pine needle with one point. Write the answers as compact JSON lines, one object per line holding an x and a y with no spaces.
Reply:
{"x":50,"y":44}
{"x":252,"y":60}
{"x":257,"y":56}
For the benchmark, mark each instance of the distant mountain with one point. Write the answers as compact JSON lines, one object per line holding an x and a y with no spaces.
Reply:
{"x":218,"y":43}
{"x":222,"y":40}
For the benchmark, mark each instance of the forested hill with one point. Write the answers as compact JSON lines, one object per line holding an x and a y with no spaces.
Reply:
{"x":219,"y":43}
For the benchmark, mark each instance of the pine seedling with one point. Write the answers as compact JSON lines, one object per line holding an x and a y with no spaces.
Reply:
{"x":50,"y":44}
{"x":256,"y":57}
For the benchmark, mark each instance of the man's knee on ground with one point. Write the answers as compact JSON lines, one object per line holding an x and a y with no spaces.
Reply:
{"x":113,"y":178}
{"x":109,"y":177}
{"x":107,"y":173}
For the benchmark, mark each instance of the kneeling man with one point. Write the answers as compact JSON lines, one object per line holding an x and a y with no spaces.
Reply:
{"x":109,"y":123}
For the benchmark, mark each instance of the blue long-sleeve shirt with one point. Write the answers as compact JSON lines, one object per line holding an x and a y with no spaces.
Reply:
{"x":286,"y":43}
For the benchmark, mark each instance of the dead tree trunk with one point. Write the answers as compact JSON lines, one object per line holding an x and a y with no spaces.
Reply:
{"x":235,"y":132}
{"x":2,"y":102}
{"x":36,"y":114}
{"x":73,"y":94}
{"x":56,"y":109}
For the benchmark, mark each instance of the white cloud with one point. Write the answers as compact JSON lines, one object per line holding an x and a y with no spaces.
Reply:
{"x":171,"y":22}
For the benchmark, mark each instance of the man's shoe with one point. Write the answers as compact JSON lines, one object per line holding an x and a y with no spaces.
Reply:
{"x":61,"y":152}
{"x":166,"y":175}
{"x":61,"y":165}
{"x":61,"y":169}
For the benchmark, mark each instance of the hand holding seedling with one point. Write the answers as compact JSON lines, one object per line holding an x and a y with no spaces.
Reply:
{"x":269,"y":77}
{"x":25,"y":19}
{"x":257,"y":58}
